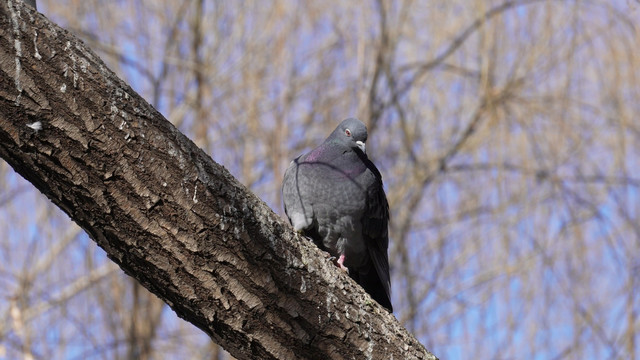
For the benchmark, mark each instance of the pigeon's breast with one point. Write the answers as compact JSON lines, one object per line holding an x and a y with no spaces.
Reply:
{"x":338,"y":198}
{"x":334,"y":185}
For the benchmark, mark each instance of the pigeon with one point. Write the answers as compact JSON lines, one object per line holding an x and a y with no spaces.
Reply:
{"x":334,"y":195}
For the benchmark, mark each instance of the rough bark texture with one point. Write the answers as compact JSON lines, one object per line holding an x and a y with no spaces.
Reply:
{"x":168,"y":215}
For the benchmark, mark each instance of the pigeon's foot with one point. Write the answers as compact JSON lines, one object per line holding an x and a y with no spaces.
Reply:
{"x":340,"y":264}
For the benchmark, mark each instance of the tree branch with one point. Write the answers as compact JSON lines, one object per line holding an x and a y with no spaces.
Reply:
{"x":168,"y":215}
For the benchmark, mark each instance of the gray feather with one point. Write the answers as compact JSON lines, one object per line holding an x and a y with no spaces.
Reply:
{"x":334,"y":194}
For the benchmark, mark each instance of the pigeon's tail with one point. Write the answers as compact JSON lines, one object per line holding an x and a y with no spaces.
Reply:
{"x":371,"y":283}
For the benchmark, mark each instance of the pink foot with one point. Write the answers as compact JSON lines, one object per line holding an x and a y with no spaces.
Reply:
{"x":341,"y":264}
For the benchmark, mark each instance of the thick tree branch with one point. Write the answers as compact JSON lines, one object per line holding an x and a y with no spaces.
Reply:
{"x":168,"y":215}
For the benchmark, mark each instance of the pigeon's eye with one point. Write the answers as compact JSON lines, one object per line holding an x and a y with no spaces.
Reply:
{"x":347,"y":132}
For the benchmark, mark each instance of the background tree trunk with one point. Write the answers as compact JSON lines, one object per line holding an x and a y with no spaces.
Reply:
{"x":168,"y":215}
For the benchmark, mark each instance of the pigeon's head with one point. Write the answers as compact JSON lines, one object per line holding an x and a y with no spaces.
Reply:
{"x":351,"y":132}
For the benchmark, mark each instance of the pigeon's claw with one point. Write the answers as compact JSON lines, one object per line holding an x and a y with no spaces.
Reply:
{"x":340,"y":264}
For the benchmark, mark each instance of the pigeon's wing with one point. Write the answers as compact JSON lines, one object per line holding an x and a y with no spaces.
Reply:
{"x":332,"y":182}
{"x":288,"y":184}
{"x":294,"y":188}
{"x":376,"y":235}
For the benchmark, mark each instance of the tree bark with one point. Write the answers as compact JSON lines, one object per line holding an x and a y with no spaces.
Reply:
{"x":168,"y":215}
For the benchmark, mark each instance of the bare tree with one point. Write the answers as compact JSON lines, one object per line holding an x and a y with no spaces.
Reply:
{"x":169,"y":216}
{"x":504,"y":130}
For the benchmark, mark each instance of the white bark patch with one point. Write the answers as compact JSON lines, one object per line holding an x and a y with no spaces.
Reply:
{"x":37,"y":126}
{"x":35,"y":46}
{"x":330,"y":300}
{"x":18,"y":66}
{"x":74,"y":66}
{"x":303,"y":285}
{"x":369,"y":352}
{"x":15,"y":15}
{"x":83,"y":65}
{"x":195,"y":191}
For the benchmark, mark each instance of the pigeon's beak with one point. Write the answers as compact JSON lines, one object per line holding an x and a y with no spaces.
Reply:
{"x":361,"y":146}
